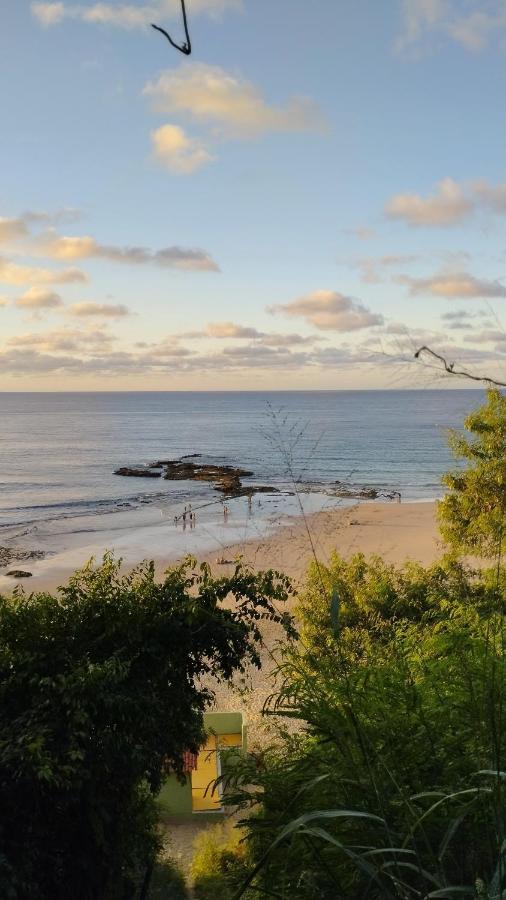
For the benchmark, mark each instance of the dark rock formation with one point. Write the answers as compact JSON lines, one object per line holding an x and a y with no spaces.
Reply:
{"x":138,"y":473}
{"x":226,"y":479}
{"x":9,"y":555}
{"x":18,"y":573}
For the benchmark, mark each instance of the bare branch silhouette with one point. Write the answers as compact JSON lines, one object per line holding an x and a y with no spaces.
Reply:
{"x":186,"y":46}
{"x":450,"y":368}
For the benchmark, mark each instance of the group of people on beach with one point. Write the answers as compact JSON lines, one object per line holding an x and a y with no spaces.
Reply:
{"x":187,"y":516}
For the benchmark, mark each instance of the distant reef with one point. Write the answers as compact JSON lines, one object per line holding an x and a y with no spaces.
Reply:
{"x":226,"y":479}
{"x":8,"y":555}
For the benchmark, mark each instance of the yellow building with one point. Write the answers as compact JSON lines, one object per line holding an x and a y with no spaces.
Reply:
{"x":200,"y":794}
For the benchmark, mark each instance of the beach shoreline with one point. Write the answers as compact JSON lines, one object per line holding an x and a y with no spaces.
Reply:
{"x":285,"y":542}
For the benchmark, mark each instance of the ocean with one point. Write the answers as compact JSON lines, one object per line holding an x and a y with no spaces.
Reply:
{"x":58,"y":452}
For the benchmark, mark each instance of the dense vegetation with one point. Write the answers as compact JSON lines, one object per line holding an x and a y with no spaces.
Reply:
{"x":393,"y":784}
{"x":100,"y":695}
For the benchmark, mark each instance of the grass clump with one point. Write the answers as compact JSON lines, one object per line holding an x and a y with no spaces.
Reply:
{"x":219,"y":863}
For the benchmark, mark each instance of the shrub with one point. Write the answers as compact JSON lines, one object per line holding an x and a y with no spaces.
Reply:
{"x":400,"y":692}
{"x":99,"y":694}
{"x":219,"y":862}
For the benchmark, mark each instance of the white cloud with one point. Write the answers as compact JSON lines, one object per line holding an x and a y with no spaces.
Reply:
{"x":231,"y":330}
{"x":233,"y":107}
{"x":370,"y":267}
{"x":472,"y":30}
{"x":85,"y":247}
{"x":99,"y":310}
{"x":66,"y":339}
{"x":178,"y":152}
{"x":38,"y":298}
{"x":49,"y":13}
{"x":10,"y":273}
{"x":12,"y":229}
{"x":487,"y":337}
{"x":330,"y":311}
{"x":448,"y":206}
{"x":453,"y":285}
{"x":125,"y":15}
{"x":490,"y":196}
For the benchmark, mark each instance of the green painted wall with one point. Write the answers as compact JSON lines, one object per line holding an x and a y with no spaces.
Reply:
{"x":175,"y":798}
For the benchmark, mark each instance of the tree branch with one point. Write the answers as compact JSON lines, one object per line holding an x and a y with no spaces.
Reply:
{"x":185,"y":47}
{"x":450,"y":368}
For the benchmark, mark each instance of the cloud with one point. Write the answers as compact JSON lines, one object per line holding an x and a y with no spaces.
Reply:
{"x":457,"y":315}
{"x":491,"y":196}
{"x":125,"y":15}
{"x":4,"y":301}
{"x":86,"y":247}
{"x":233,"y":107}
{"x":12,"y":229}
{"x":99,"y":310}
{"x":289,"y":340}
{"x":177,"y":152}
{"x":370,"y":267}
{"x":330,"y":311}
{"x":66,"y":339}
{"x":451,"y":203}
{"x":453,"y":285}
{"x":30,"y":362}
{"x":487,"y":337}
{"x":67,"y":214}
{"x":49,"y":13}
{"x":231,"y":330}
{"x":362,"y":232}
{"x":38,"y":298}
{"x":422,"y":19}
{"x":448,"y":206}
{"x":10,"y":273}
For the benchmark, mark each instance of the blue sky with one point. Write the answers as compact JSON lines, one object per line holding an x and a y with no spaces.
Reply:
{"x":319,"y":189}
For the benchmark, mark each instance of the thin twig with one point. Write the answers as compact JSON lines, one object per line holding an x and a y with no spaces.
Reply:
{"x":450,"y":368}
{"x":185,"y":47}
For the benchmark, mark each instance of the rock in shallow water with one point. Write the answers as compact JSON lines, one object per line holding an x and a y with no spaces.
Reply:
{"x":18,"y":573}
{"x":137,"y":473}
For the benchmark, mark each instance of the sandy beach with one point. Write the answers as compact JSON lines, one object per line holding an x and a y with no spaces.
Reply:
{"x":396,"y":531}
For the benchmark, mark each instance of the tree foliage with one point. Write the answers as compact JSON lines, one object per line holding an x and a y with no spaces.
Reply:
{"x":472,"y":514}
{"x":100,"y":694}
{"x":400,"y":705}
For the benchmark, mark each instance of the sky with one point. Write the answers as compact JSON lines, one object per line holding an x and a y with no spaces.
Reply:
{"x":317,"y":191}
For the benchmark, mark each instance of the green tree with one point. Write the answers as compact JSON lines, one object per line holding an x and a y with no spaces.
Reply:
{"x":472,"y":513}
{"x":100,"y":694}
